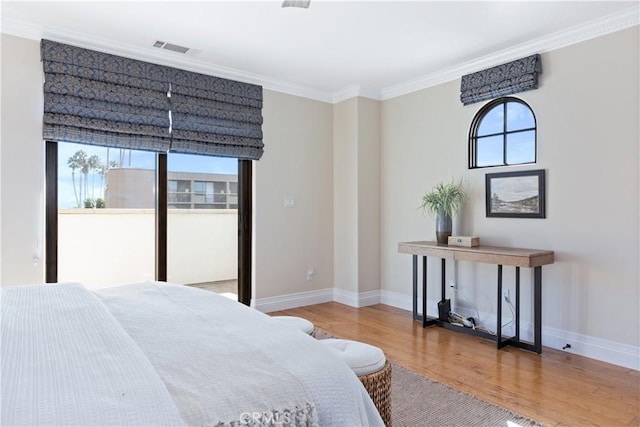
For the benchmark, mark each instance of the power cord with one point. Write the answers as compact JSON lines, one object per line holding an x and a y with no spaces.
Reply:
{"x":513,"y":316}
{"x":458,"y":319}
{"x":513,"y":312}
{"x":458,"y":292}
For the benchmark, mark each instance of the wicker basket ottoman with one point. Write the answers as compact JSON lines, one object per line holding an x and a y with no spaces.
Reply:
{"x":371,"y":367}
{"x":378,"y":384}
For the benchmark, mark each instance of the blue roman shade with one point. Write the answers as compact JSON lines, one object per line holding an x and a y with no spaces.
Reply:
{"x":506,"y":79}
{"x":102,"y":99}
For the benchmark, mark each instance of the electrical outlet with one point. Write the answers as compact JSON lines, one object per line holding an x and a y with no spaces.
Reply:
{"x":310,"y":273}
{"x":505,"y":294}
{"x":452,"y":284}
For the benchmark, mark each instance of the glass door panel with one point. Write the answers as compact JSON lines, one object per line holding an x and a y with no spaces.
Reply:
{"x":202,"y":222}
{"x":106,"y":215}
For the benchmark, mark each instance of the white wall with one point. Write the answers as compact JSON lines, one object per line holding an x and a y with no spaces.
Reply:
{"x":22,"y":167}
{"x":368,"y":200}
{"x":297,"y":162}
{"x":345,"y":195}
{"x":356,"y":192}
{"x":587,"y":116}
{"x":202,"y":246}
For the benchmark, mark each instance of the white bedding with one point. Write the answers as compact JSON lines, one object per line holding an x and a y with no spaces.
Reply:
{"x":221,"y":359}
{"x":67,"y":361}
{"x":159,"y":354}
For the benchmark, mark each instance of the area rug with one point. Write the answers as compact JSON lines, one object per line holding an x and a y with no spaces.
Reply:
{"x":418,"y":401}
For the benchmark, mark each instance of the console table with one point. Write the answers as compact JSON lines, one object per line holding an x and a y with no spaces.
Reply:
{"x":528,"y":258}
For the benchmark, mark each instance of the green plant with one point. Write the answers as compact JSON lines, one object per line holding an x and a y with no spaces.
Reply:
{"x":446,"y":198}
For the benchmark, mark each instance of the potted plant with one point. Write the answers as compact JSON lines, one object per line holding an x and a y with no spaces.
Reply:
{"x":443,"y":201}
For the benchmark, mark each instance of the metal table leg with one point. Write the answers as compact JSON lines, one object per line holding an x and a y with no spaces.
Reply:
{"x":415,"y":288}
{"x":517,"y":304}
{"x":499,"y":321}
{"x":424,"y":291}
{"x":537,"y":309}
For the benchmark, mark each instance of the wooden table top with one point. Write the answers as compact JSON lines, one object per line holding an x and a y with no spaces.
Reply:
{"x":517,"y":257}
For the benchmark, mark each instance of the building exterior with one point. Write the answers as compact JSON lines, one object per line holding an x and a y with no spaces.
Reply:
{"x":129,"y":188}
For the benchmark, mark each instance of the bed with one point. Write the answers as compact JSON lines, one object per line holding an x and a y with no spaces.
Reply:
{"x":154,"y":353}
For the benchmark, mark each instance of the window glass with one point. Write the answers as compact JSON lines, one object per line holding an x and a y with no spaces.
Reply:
{"x":106,"y":202}
{"x":489,"y":151}
{"x":492,"y":122}
{"x":521,"y":148}
{"x":502,"y":133}
{"x":519,"y":116}
{"x":202,"y":230}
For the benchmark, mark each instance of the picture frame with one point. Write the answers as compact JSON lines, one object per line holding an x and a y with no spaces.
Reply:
{"x":515,"y":194}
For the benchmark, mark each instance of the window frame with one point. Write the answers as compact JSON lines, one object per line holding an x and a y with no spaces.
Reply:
{"x":245,"y":207}
{"x":477,"y":120}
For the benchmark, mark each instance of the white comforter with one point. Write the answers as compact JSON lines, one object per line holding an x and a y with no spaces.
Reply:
{"x":67,"y":361}
{"x":220,"y":362}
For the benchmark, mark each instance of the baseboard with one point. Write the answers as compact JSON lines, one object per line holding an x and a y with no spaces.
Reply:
{"x":299,"y":299}
{"x":583,"y":345}
{"x":624,"y":355}
{"x":396,"y":299}
{"x":355,"y":299}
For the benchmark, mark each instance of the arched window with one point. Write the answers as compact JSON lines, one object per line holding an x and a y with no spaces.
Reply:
{"x":502,"y":133}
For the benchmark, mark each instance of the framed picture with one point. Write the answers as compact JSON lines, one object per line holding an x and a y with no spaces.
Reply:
{"x":515,"y":194}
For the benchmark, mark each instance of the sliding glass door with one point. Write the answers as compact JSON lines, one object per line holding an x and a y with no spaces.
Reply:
{"x":121,"y":216}
{"x":202,"y":222}
{"x":106,"y":215}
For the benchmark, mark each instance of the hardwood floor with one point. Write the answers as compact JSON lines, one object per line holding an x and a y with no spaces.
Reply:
{"x":555,"y":388}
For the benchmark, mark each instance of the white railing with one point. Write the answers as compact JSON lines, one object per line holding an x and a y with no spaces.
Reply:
{"x":105,"y":247}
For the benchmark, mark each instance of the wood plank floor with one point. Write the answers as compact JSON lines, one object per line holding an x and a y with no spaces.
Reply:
{"x":555,"y":388}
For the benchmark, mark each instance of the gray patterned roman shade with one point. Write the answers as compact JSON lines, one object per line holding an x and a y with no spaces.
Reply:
{"x":506,"y":79}
{"x":101,"y":99}
{"x":215,"y":116}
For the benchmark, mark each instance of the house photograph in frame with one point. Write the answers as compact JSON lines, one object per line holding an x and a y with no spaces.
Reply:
{"x":515,"y":194}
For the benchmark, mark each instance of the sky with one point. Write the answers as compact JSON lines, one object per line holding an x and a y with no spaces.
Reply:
{"x":133,"y":159}
{"x":521,"y":146}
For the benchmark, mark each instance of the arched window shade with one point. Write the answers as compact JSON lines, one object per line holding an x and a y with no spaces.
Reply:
{"x":96,"y":98}
{"x":506,"y":79}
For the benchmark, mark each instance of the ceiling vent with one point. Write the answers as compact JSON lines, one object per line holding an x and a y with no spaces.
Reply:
{"x":171,"y":47}
{"x":304,"y":4}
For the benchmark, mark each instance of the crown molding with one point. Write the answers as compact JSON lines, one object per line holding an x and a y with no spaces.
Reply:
{"x":354,"y":91}
{"x":171,"y":59}
{"x":609,"y":24}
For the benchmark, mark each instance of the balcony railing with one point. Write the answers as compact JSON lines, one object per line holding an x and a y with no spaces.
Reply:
{"x":102,"y":247}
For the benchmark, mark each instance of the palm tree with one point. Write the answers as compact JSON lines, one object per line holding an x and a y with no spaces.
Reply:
{"x":84,"y":170}
{"x":95,"y":165}
{"x":77,"y":161}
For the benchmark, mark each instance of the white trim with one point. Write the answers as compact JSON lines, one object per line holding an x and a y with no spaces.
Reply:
{"x":355,"y":299}
{"x":398,"y":300}
{"x":608,"y":24}
{"x":599,"y":27}
{"x":624,"y":355}
{"x":355,"y":91}
{"x":299,"y":299}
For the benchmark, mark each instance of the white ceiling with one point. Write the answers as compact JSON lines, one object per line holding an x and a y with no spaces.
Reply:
{"x":334,"y":49}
